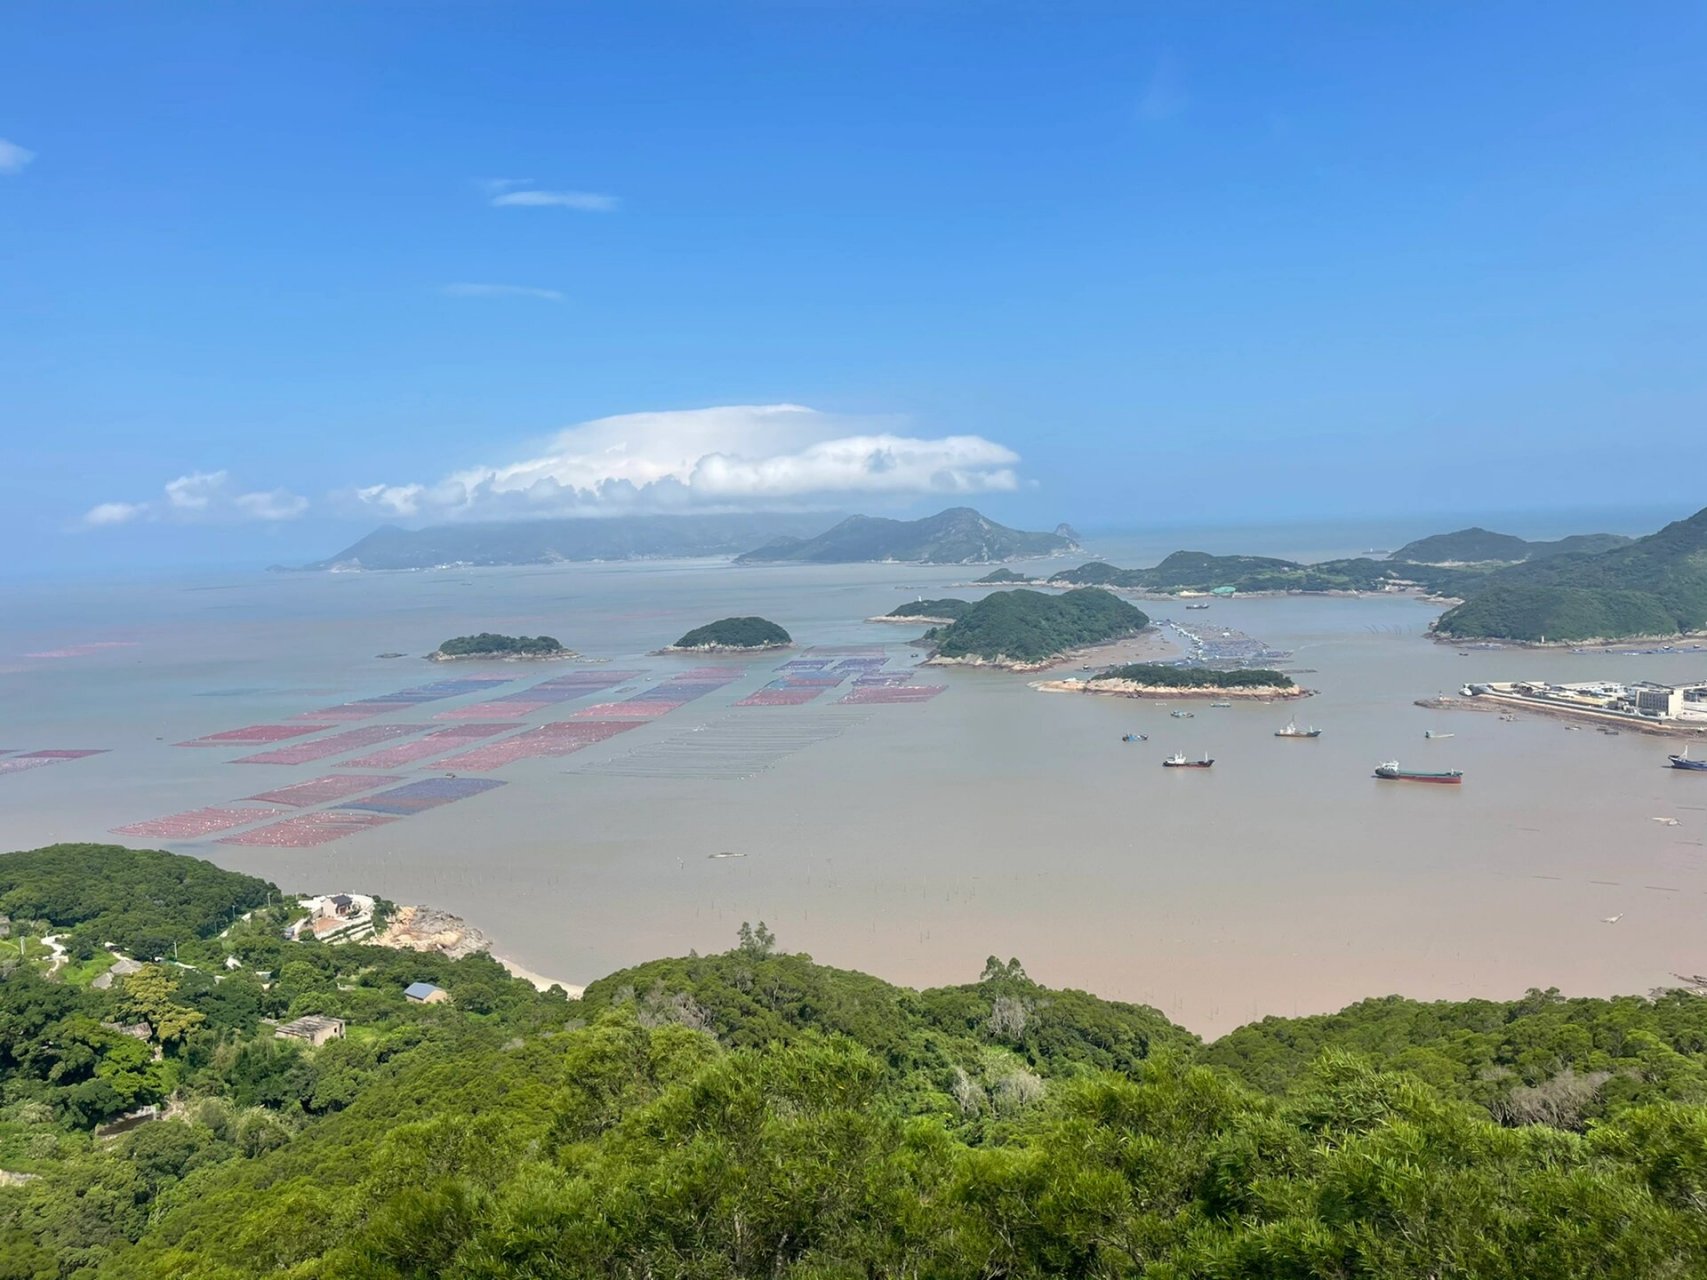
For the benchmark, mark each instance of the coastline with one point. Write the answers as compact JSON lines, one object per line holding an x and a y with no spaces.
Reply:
{"x":721,"y":648}
{"x":914,"y":618}
{"x":1486,"y":702}
{"x":1132,"y":689}
{"x":567,"y":655}
{"x":1679,"y":642}
{"x":423,"y":928}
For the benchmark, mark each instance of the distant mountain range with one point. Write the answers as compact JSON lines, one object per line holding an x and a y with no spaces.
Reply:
{"x":1482,"y":546}
{"x":1649,"y":587}
{"x":959,"y":535}
{"x":556,"y":541}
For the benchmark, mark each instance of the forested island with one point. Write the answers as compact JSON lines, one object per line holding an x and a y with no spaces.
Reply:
{"x":488,"y":644}
{"x":1024,"y":630}
{"x":1157,"y":680}
{"x":753,"y":1113}
{"x":1189,"y":572}
{"x":1654,"y":587}
{"x":1482,"y":546}
{"x":728,"y":635}
{"x":938,"y":611}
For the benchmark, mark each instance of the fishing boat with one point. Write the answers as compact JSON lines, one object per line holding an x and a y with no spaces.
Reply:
{"x":1197,"y":606}
{"x":1293,"y":731}
{"x":1182,"y":715}
{"x":1682,"y":761}
{"x":1178,"y":761}
{"x":1220,"y":704}
{"x":1393,"y":773}
{"x":1134,"y":737}
{"x":1430,"y":733}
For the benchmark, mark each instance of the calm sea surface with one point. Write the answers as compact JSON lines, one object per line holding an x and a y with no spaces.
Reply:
{"x":907,"y":840}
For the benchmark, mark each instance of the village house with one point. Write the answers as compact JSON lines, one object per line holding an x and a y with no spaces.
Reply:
{"x":425,"y":993}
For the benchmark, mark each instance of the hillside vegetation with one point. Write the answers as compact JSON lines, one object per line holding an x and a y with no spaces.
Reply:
{"x":958,"y":535}
{"x":1031,"y":626}
{"x":736,"y":633}
{"x":1199,"y":571}
{"x":1654,"y":586}
{"x":1477,"y":545}
{"x":948,"y":607}
{"x":488,"y":644}
{"x":756,"y":1115}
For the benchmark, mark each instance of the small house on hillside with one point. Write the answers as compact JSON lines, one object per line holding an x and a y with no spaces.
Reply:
{"x":5,"y":926}
{"x":425,"y":993}
{"x":342,"y":904}
{"x":315,"y":1029}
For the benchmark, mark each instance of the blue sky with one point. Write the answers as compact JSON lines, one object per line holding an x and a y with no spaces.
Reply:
{"x":1114,"y":264}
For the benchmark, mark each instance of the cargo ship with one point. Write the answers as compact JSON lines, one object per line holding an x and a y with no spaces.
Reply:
{"x":1682,"y":761}
{"x":1178,"y":761}
{"x":1293,"y":731}
{"x":1391,"y":771}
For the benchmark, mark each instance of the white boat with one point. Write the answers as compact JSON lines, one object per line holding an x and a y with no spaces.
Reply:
{"x":1430,"y":733}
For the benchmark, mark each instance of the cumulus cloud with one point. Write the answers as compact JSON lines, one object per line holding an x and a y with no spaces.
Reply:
{"x":13,"y":158}
{"x":500,"y":291}
{"x":520,"y":193}
{"x":196,"y":491}
{"x":728,"y":457}
{"x":113,"y":513}
{"x":201,"y":496}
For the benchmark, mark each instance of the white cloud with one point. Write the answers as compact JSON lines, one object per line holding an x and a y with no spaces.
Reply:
{"x":201,"y":496}
{"x":726,"y":457}
{"x":196,"y":491}
{"x":13,"y":158}
{"x":113,"y":513}
{"x":500,"y":291}
{"x":520,"y":193}
{"x":274,"y":504}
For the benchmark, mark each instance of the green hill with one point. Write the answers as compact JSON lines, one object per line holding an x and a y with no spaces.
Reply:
{"x":1002,"y":577}
{"x":755,"y":1114}
{"x":489,"y":644}
{"x":948,"y":608}
{"x":1200,"y":571}
{"x":1032,"y":626}
{"x":1481,"y":546}
{"x":956,"y":536}
{"x":1653,"y":586}
{"x":736,"y":633}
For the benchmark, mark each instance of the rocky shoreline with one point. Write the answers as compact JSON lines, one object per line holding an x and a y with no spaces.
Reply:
{"x":422,"y":928}
{"x":720,"y":648}
{"x":917,"y":618}
{"x":565,"y":655}
{"x":1132,"y":689}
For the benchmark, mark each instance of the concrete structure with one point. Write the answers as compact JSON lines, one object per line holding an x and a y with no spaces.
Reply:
{"x":425,"y":993}
{"x":5,"y":926}
{"x":315,"y":1029}
{"x":1664,"y":708}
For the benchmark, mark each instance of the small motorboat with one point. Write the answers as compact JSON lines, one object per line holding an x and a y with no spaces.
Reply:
{"x":1178,"y":761}
{"x":1220,"y":704}
{"x":1430,"y":733}
{"x":1182,"y":715}
{"x":1134,"y":737}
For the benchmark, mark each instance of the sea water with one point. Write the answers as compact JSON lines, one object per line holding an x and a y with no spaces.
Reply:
{"x":908,"y":840}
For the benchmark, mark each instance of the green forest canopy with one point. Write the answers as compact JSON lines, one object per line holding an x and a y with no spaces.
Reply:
{"x":489,"y":644}
{"x":736,"y":633}
{"x":948,"y":607}
{"x":754,"y":1114}
{"x":1029,"y":626}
